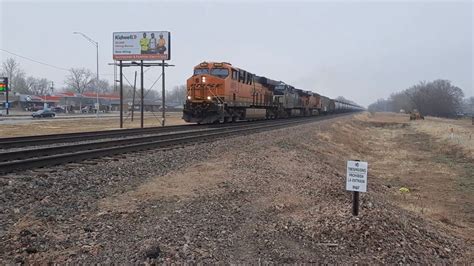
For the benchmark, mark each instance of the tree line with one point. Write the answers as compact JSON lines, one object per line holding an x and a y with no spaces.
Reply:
{"x":436,"y":98}
{"x":78,"y":80}
{"x":19,"y":82}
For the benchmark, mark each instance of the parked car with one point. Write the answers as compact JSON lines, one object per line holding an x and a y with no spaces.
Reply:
{"x":43,"y":113}
{"x":58,"y":109}
{"x":35,"y":108}
{"x":87,"y":109}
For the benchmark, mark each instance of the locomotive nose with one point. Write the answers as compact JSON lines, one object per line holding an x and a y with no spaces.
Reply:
{"x":204,"y":88}
{"x":202,"y":79}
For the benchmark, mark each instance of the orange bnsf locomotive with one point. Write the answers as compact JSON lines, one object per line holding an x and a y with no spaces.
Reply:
{"x":220,"y":92}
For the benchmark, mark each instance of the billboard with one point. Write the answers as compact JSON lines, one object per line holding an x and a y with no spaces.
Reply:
{"x":142,"y":45}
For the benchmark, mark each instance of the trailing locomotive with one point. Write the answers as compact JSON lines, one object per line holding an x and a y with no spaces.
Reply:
{"x":220,"y":92}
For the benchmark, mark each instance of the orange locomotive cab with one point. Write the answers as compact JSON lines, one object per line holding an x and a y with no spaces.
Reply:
{"x":220,"y":92}
{"x":206,"y":84}
{"x":206,"y":90}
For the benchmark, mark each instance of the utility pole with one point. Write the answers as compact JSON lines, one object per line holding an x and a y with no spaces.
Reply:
{"x":96,"y":44}
{"x":97,"y":83}
{"x":163,"y":111}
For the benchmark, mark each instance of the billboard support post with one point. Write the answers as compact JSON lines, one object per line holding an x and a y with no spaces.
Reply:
{"x":141,"y":94}
{"x":121,"y":95}
{"x":134,"y":89}
{"x":163,"y":92}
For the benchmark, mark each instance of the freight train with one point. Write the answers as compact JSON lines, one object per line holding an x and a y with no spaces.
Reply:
{"x":220,"y":92}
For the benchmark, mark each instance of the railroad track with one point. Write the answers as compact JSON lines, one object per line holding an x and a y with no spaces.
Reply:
{"x":49,"y":156}
{"x":19,"y":142}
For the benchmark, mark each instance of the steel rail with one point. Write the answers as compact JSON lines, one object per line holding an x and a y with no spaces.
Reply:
{"x":37,"y":152}
{"x":39,"y":140}
{"x":136,"y":145}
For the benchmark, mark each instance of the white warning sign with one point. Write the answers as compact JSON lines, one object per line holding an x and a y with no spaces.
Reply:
{"x":356,"y":176}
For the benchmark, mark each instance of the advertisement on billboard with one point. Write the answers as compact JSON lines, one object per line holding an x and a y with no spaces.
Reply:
{"x":142,"y":45}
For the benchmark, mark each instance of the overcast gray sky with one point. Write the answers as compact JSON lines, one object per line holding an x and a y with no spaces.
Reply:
{"x":361,"y":50}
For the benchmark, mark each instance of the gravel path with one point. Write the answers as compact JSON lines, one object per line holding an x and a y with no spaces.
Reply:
{"x":275,"y":196}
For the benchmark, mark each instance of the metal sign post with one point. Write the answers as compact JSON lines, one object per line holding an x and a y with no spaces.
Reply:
{"x":356,"y":181}
{"x":355,"y":203}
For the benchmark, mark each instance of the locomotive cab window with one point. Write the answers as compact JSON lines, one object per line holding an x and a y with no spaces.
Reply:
{"x":220,"y":72}
{"x":201,"y":71}
{"x":242,"y":76}
{"x":235,"y":74}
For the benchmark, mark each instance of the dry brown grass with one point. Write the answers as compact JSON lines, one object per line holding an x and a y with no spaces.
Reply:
{"x":414,"y":154}
{"x":457,"y":132}
{"x":52,"y":126}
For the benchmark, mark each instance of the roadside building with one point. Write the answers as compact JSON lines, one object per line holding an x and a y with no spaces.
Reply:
{"x":74,"y":102}
{"x":150,"y":105}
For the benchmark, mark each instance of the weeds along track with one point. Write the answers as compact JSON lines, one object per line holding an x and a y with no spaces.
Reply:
{"x":124,"y":141}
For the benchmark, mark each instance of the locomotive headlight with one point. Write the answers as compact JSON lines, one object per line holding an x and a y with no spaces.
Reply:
{"x":203,"y":79}
{"x":189,"y":97}
{"x":209,"y":98}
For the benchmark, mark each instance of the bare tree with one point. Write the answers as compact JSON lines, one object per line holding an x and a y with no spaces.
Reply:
{"x":177,"y":94}
{"x":16,"y":76}
{"x":38,"y":86}
{"x":381,"y":105}
{"x":79,"y":80}
{"x":30,"y":83}
{"x":436,"y":98}
{"x":469,"y":106}
{"x":103,"y":86}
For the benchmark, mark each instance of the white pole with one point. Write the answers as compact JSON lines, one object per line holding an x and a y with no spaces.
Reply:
{"x":97,"y":78}
{"x":97,"y":83}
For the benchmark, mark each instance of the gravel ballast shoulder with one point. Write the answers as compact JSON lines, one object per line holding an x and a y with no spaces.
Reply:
{"x":273,"y":197}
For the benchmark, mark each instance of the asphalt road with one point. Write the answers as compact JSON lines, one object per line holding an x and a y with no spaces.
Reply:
{"x":26,"y":118}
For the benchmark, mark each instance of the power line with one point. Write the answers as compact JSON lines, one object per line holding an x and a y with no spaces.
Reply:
{"x":27,"y":58}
